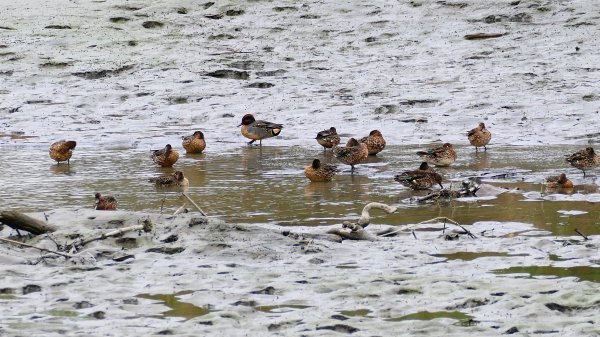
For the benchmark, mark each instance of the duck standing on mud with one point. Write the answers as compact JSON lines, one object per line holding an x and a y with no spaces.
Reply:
{"x":351,"y":154}
{"x":165,"y":157}
{"x":375,"y":142}
{"x":479,"y":136}
{"x":168,"y":180}
{"x":62,"y":150}
{"x":328,"y":138}
{"x":439,"y":156}
{"x":258,"y":130}
{"x":105,"y":202}
{"x":584,"y":159}
{"x":194,"y":143}
{"x":422,"y":179}
{"x":320,"y":172}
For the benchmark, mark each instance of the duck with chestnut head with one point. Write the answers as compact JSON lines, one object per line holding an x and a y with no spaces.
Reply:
{"x":258,"y":130}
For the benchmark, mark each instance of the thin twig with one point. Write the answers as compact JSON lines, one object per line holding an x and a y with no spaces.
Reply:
{"x":193,"y":203}
{"x":180,"y":209}
{"x":38,"y":248}
{"x":584,"y":237}
{"x":411,"y":227}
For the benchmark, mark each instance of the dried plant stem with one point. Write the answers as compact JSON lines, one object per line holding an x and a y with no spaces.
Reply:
{"x":411,"y":227}
{"x":193,"y":203}
{"x":34,"y":247}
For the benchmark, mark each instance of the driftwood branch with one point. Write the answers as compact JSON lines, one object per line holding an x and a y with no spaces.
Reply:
{"x":34,"y":247}
{"x":193,"y":203}
{"x":412,"y":227}
{"x":18,"y":220}
{"x":146,"y":227}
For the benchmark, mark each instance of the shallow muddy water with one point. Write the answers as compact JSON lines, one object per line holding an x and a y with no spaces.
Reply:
{"x":253,"y":184}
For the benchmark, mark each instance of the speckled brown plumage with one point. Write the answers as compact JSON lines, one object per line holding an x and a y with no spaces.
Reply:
{"x":105,"y":202}
{"x":194,"y":143}
{"x":439,"y":156}
{"x":165,"y":157}
{"x":173,"y":179}
{"x":584,"y":159}
{"x":320,"y":172}
{"x":560,"y":181}
{"x":328,"y":138}
{"x":422,"y":179}
{"x":62,"y":150}
{"x":375,"y":142}
{"x":258,"y":130}
{"x":479,"y":136}
{"x":352,"y":154}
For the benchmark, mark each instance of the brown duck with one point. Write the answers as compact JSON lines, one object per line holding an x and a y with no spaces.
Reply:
{"x":422,"y":179}
{"x":352,"y":154}
{"x":560,"y":181}
{"x":584,"y":159}
{"x":439,"y":156}
{"x":173,"y":179}
{"x":194,"y":143}
{"x":320,"y":172}
{"x":479,"y":136}
{"x":328,"y":138}
{"x":165,"y":157}
{"x":62,"y":150}
{"x":375,"y":142}
{"x":105,"y":202}
{"x":258,"y":130}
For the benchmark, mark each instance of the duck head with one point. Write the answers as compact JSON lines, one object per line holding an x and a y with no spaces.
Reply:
{"x":247,"y":120}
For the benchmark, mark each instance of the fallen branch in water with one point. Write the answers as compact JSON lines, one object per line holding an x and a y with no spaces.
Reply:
{"x":413,"y":226}
{"x":34,"y":247}
{"x":193,"y":203}
{"x":18,"y":220}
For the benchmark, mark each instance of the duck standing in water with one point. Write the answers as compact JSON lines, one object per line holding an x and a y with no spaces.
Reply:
{"x":320,"y":172}
{"x":422,"y":179}
{"x":375,"y":142}
{"x":560,"y":181}
{"x":62,"y":150}
{"x":194,"y":143}
{"x":439,"y":156}
{"x":584,"y":159}
{"x":258,"y":130}
{"x":105,"y":202}
{"x":165,"y":157}
{"x":352,"y":154}
{"x":479,"y":136}
{"x":168,"y":180}
{"x":328,"y":138}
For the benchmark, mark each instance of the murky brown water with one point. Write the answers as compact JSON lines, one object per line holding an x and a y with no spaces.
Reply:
{"x":268,"y":185}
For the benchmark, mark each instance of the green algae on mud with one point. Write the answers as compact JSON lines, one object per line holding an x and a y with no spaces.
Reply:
{"x":469,"y":256}
{"x":427,"y":316}
{"x":279,"y":308}
{"x":178,"y":308}
{"x":583,"y":273}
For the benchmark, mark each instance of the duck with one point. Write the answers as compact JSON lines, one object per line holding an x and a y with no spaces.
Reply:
{"x":584,"y":159}
{"x":105,"y":202}
{"x":440,"y":156}
{"x":62,"y":150}
{"x":320,"y":172}
{"x":165,"y":157}
{"x":375,"y":142}
{"x":422,"y":179}
{"x":173,"y":179}
{"x":479,"y":136}
{"x":559,"y":181}
{"x":258,"y":130}
{"x":328,"y":138}
{"x":194,"y":143}
{"x":351,"y":154}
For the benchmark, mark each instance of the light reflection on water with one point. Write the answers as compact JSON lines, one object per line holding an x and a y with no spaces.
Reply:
{"x":268,"y":185}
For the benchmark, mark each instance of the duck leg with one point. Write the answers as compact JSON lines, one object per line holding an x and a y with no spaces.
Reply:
{"x":252,"y":141}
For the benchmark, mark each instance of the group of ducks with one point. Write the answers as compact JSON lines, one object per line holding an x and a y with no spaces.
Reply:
{"x":353,"y":153}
